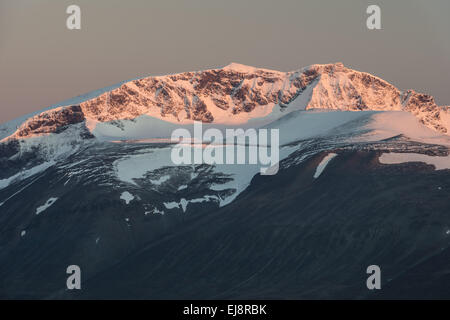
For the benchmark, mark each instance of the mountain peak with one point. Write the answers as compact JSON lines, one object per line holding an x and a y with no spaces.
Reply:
{"x":238,"y":66}
{"x":242,"y":68}
{"x":238,"y":93}
{"x":327,"y":65}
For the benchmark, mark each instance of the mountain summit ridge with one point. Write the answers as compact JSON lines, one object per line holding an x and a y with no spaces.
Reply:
{"x":237,"y":93}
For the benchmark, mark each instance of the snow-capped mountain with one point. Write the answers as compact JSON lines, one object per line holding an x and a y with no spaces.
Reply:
{"x":364,"y":175}
{"x":237,"y":93}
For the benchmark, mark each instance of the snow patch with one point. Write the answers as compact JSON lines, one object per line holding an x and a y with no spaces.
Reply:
{"x":184,"y":203}
{"x":160,"y":181}
{"x":154,"y":211}
{"x":47,"y":205}
{"x":204,"y":199}
{"x":171,"y":205}
{"x":127,"y":197}
{"x":322,"y":165}
{"x":25,"y":174}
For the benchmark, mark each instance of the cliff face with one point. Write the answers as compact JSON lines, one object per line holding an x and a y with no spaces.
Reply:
{"x":52,"y":121}
{"x":208,"y":96}
{"x":341,"y":88}
{"x":237,"y":93}
{"x":425,"y":109}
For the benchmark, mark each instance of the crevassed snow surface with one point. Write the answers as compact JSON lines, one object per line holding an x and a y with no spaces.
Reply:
{"x":440,"y":163}
{"x":323,"y":164}
{"x":47,"y":205}
{"x":127,"y":197}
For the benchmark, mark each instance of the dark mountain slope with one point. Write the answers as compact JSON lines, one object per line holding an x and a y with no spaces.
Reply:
{"x":290,"y":236}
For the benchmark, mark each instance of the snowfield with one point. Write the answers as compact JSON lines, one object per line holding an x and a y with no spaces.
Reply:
{"x":440,"y":163}
{"x":350,"y":126}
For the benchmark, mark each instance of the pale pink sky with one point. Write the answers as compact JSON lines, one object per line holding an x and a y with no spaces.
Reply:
{"x":43,"y":63}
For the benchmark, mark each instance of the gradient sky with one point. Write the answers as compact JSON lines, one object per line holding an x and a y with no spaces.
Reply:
{"x":43,"y":63}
